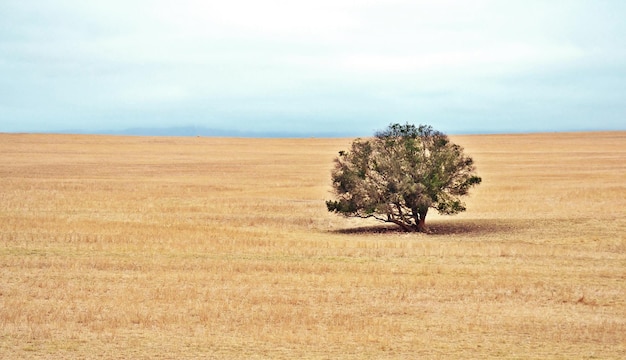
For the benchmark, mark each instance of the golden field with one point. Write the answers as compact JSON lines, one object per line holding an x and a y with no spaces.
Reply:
{"x":167,"y":248}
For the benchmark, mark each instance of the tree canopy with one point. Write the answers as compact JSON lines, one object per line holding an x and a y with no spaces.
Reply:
{"x":399,"y":174}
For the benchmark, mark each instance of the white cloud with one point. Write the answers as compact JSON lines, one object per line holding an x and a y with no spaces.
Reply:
{"x":276,"y":18}
{"x":512,"y":57}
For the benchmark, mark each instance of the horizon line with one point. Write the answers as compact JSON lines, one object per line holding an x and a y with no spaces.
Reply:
{"x":199,"y":131}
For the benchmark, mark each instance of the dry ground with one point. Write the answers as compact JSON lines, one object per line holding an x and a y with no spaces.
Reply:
{"x":159,"y":248}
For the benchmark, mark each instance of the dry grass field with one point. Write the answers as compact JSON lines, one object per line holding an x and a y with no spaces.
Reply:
{"x":171,"y":248}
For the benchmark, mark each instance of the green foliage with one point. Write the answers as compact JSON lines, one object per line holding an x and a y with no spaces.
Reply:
{"x":399,"y":174}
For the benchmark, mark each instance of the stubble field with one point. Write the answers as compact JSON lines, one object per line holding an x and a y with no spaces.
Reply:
{"x":162,"y":248}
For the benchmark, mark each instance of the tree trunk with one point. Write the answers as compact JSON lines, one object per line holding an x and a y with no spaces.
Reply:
{"x":401,"y":224}
{"x":421,"y":223}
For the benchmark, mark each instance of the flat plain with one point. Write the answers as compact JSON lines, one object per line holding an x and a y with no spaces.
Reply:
{"x":116,"y":247}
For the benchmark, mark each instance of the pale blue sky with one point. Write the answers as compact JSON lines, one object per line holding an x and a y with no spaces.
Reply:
{"x":343,"y":67}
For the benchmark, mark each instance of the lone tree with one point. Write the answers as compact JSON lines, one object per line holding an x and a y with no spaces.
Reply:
{"x":399,"y":174}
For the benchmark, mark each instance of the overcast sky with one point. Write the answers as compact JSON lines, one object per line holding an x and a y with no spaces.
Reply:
{"x":346,"y":67}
